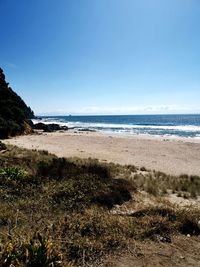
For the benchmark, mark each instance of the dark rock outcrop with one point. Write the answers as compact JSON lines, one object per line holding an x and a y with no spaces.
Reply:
{"x":14,"y":113}
{"x":50,"y":127}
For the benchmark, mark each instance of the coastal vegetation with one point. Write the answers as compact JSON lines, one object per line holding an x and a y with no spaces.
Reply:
{"x":14,"y":113}
{"x":75,"y":212}
{"x":82,"y":212}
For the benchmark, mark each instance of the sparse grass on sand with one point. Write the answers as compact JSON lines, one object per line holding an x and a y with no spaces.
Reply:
{"x":60,"y":212}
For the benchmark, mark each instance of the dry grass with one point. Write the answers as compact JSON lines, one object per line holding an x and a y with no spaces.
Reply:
{"x":69,"y":203}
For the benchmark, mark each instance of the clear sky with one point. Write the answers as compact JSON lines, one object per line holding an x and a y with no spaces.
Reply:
{"x":103,"y":56}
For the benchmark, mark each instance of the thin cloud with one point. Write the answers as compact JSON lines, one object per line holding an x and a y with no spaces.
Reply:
{"x":96,"y":110}
{"x":11,"y":65}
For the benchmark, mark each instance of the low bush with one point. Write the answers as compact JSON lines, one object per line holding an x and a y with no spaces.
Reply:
{"x":36,"y":252}
{"x":12,"y":173}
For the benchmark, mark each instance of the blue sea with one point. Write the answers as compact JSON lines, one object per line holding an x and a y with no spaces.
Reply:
{"x":160,"y":125}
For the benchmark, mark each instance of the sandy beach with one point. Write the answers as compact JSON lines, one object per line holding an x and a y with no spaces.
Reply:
{"x":173,"y":156}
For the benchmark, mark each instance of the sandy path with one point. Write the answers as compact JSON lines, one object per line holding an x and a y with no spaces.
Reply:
{"x":173,"y":156}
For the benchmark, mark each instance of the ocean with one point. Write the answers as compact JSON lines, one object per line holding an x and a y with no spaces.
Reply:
{"x":160,"y":125}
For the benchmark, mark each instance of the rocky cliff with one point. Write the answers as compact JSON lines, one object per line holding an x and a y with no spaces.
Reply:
{"x":15,"y":115}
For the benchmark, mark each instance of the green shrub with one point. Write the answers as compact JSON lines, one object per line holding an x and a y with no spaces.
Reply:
{"x":12,"y":173}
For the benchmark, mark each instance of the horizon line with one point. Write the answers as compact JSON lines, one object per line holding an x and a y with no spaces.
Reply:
{"x":141,"y":114}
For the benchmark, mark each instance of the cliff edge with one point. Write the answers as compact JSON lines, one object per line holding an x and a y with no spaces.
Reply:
{"x":15,"y":115}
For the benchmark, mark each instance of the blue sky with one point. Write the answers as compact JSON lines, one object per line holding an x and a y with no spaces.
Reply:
{"x":103,"y":56}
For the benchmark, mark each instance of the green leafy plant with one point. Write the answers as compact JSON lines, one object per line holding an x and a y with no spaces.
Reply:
{"x":13,"y":173}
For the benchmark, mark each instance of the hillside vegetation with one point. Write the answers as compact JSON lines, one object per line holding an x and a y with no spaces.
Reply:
{"x":14,"y":113}
{"x":73,"y":212}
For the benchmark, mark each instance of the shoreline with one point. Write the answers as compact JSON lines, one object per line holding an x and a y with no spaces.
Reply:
{"x":173,"y":156}
{"x":152,"y":136}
